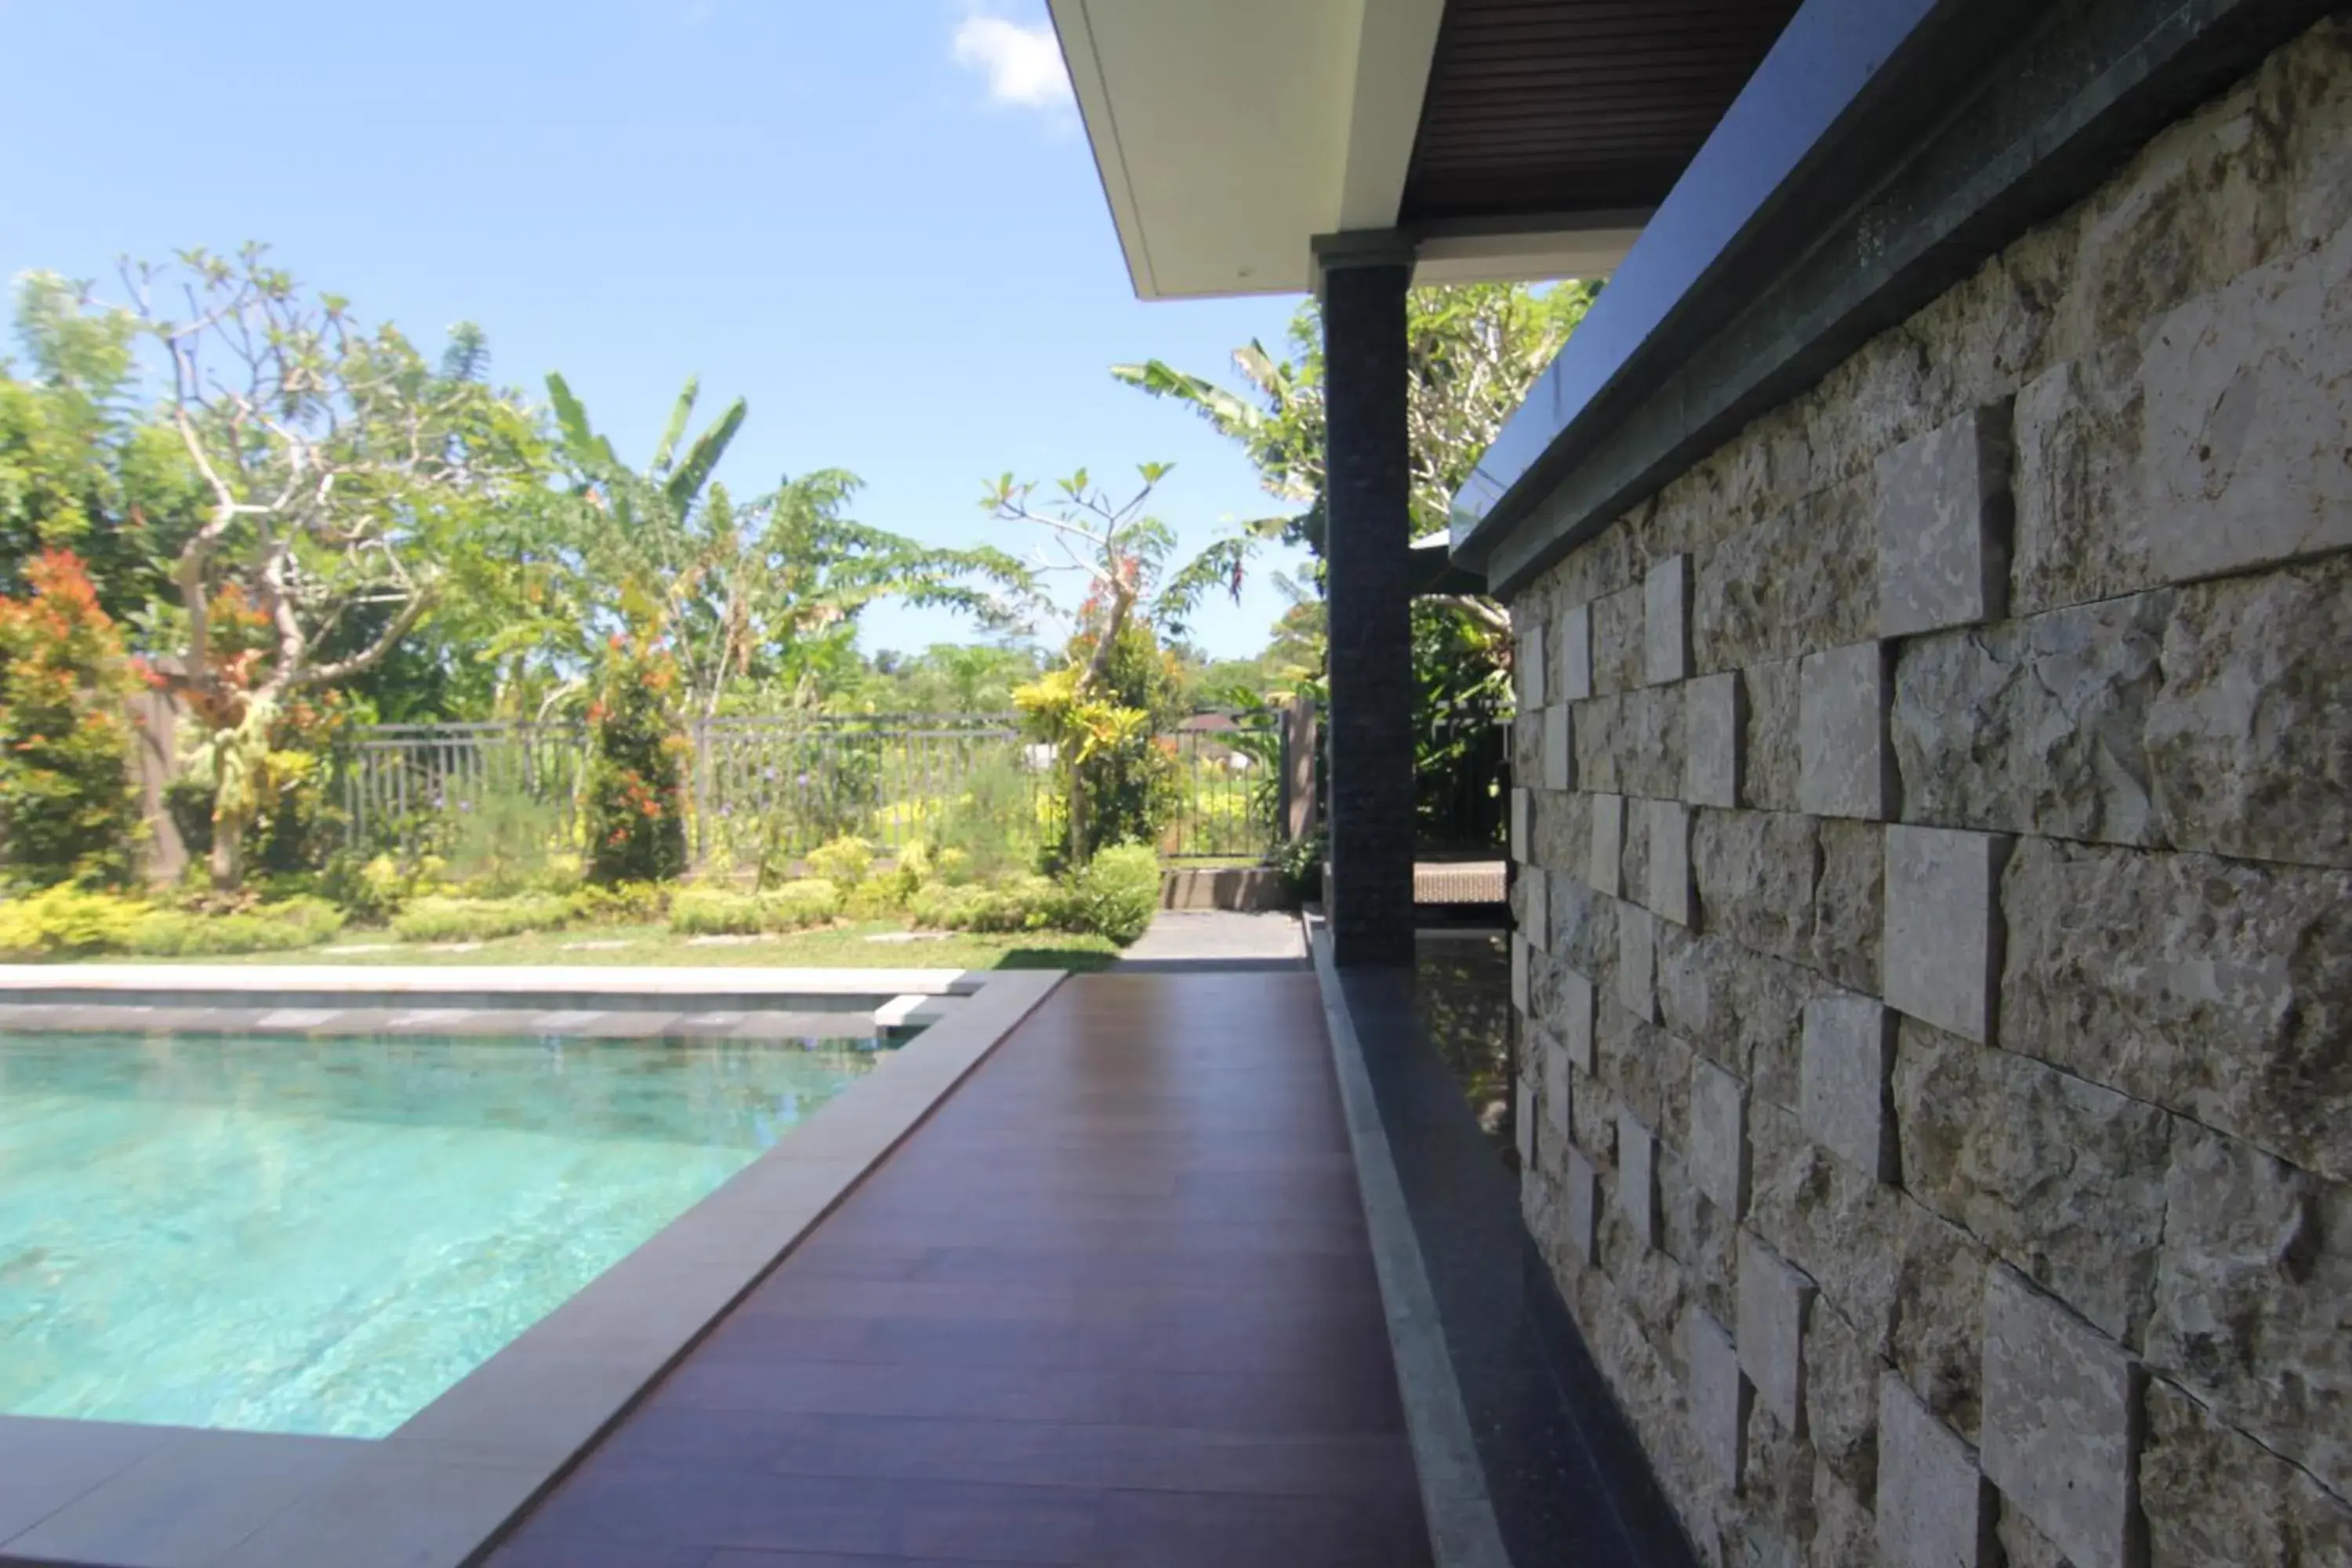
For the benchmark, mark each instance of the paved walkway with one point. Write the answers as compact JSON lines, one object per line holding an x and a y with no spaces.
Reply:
{"x":1112,"y":1305}
{"x":1219,"y":939}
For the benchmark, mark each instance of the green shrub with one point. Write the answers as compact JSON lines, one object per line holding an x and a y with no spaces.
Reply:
{"x":1025,"y":901}
{"x":373,"y":888}
{"x":874,"y":898}
{"x":68,"y":813}
{"x":714,"y":911}
{"x":721,"y":912}
{"x":886,"y":893}
{"x":1114,"y":895}
{"x":67,"y":919}
{"x":843,"y":861}
{"x":478,"y":919}
{"x":267,"y":928}
{"x":1299,"y":864}
{"x":622,"y":903}
{"x":812,"y":901}
{"x":635,"y":791}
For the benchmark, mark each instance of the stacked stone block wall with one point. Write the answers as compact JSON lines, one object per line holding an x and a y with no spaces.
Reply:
{"x":1935,"y":933}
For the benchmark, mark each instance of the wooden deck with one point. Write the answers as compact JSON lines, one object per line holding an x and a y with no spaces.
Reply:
{"x":1113,"y":1304}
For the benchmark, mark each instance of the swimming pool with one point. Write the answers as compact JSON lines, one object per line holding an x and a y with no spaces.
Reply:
{"x":321,"y":1234}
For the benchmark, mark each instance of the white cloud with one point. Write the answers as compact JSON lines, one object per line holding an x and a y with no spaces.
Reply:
{"x":1024,"y":64}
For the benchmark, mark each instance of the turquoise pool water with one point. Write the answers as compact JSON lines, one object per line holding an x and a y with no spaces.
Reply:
{"x":322,"y":1235}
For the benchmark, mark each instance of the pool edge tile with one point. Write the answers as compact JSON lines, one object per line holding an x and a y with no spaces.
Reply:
{"x":194,"y":1495}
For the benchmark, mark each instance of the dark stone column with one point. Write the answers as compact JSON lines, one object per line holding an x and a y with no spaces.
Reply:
{"x":1368,"y":575}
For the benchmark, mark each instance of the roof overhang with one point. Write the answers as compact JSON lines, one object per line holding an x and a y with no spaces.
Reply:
{"x":1230,"y":133}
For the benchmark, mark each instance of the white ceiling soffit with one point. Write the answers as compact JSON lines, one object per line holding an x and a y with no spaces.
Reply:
{"x":1230,"y":132}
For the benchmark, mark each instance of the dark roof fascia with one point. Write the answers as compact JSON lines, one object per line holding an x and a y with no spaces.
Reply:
{"x":1883,"y":150}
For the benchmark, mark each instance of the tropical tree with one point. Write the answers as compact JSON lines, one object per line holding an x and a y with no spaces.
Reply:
{"x":947,"y":678}
{"x":1102,"y":707}
{"x":342,"y":471}
{"x":760,"y":593}
{"x":81,"y":468}
{"x":1472,"y":351}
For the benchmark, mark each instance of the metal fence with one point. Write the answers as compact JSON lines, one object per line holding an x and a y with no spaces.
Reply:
{"x":400,"y":780}
{"x":784,"y":784}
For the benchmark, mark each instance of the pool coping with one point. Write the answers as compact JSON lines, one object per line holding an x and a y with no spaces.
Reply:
{"x":442,"y":1489}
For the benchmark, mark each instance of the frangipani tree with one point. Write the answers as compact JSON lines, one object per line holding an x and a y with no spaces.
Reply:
{"x":342,"y":471}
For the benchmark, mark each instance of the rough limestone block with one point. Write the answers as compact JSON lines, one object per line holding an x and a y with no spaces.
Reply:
{"x":1757,"y":873}
{"x":1576,"y":1005}
{"x":1558,"y":747}
{"x":1637,"y":962}
{"x":2217,"y":1499}
{"x":1519,"y":972}
{"x":1718,"y":1396}
{"x":1666,"y":833}
{"x":1583,"y":1206}
{"x":1556,"y":1085}
{"x":1943,"y":526}
{"x":1522,"y":836}
{"x":2062,"y":1176}
{"x":1941,"y":955}
{"x":1849,"y":903}
{"x":2243,"y":423}
{"x":1770,"y":765}
{"x":1718,"y":1136}
{"x":2061,"y":1423}
{"x":1843,"y":1096}
{"x":1844,"y":765}
{"x":1665,"y":620}
{"x":1775,"y":1303}
{"x":1606,"y":873}
{"x":1576,"y":653}
{"x":1617,"y":652}
{"x":1714,"y":719}
{"x":1933,"y":1510}
{"x":2253,"y":1307}
{"x":1530,"y":661}
{"x":2214,"y":988}
{"x":1637,"y":1178}
{"x":1534,"y":907}
{"x":2037,"y":725}
{"x":2249,"y":738}
{"x":1523,"y":1126}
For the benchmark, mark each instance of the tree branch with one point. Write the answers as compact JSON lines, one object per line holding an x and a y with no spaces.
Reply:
{"x":374,"y":655}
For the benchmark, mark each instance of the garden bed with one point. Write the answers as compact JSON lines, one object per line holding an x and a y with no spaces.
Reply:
{"x":867,"y":944}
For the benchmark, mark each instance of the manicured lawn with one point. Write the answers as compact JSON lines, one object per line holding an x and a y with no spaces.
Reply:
{"x":837,"y":947}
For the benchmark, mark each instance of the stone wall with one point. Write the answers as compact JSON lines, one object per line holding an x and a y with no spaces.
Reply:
{"x":1936,"y":903}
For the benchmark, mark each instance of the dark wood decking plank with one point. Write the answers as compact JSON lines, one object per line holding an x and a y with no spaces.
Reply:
{"x":1113,"y":1305}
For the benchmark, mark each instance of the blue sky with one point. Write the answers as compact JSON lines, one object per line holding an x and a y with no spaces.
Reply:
{"x":877,"y":221}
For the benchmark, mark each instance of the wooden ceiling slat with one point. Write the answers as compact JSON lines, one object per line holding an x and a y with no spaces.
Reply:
{"x":1534,"y":112}
{"x":1536,"y":104}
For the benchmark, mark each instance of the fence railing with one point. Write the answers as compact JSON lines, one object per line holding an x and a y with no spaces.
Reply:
{"x":768,"y":785}
{"x":398,"y":779}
